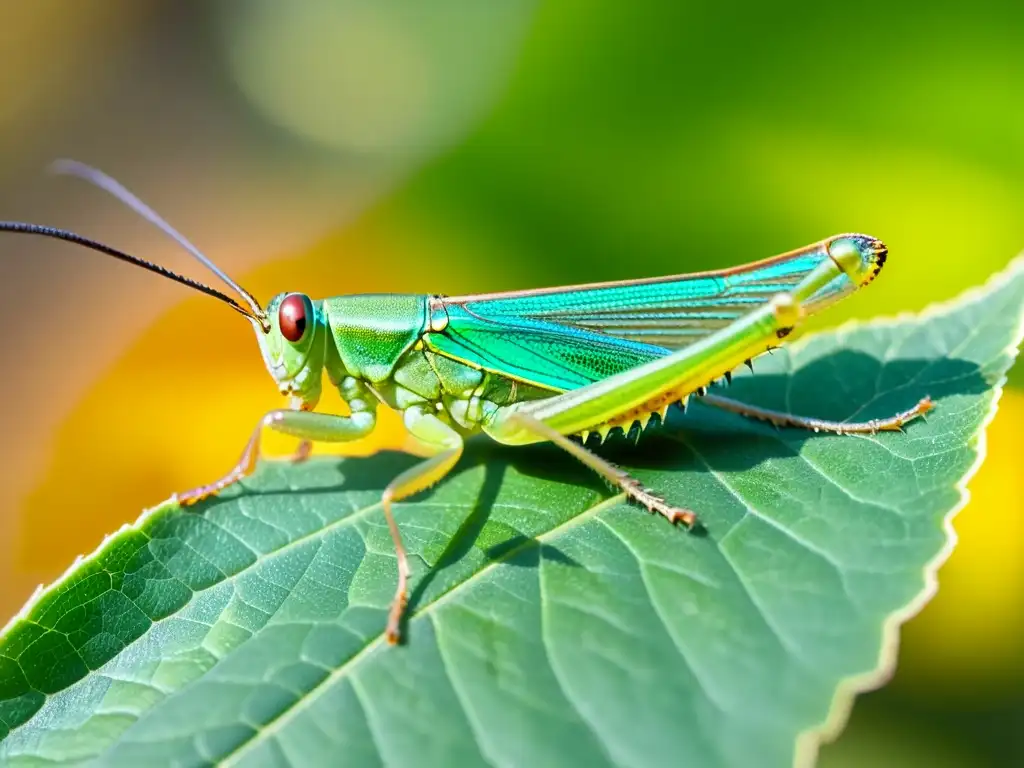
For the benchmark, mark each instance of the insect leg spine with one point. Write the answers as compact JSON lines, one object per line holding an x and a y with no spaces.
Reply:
{"x":627,"y":422}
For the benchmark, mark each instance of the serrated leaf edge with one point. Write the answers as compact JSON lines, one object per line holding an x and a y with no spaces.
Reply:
{"x":810,"y":739}
{"x":42,"y":591}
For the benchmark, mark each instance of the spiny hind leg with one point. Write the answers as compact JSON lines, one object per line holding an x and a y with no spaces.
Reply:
{"x":632,"y":487}
{"x":894,"y":423}
{"x":446,"y":444}
{"x":636,"y":393}
{"x":650,"y":387}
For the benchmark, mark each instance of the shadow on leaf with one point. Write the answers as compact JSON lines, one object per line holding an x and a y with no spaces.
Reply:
{"x":844,"y":385}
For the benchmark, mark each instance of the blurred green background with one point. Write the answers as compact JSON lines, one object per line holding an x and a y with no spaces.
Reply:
{"x":451,"y":146}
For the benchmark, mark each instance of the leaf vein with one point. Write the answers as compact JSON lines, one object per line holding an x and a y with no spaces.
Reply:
{"x":660,"y":613}
{"x":475,"y":726}
{"x":353,"y":661}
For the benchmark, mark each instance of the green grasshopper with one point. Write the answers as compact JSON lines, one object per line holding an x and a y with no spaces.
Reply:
{"x":556,"y":364}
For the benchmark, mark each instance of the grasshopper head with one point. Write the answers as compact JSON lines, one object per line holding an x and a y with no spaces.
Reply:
{"x":292,"y":331}
{"x":293,"y":348}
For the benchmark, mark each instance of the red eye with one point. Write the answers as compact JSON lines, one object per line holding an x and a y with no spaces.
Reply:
{"x":292,"y":318}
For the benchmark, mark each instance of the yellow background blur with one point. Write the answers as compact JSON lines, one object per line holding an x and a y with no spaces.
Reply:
{"x":451,"y":146}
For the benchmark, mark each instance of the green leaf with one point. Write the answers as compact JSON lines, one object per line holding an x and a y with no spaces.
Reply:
{"x":552,"y":624}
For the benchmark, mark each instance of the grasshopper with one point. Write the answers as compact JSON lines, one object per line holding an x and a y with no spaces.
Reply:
{"x":555,"y":364}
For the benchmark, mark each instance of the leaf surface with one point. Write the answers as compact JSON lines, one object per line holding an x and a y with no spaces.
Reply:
{"x":551,"y":623}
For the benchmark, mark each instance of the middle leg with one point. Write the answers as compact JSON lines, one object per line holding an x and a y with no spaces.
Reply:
{"x":445,"y":444}
{"x":632,"y":487}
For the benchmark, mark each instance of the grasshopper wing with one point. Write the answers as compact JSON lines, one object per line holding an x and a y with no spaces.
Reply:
{"x":563,"y":338}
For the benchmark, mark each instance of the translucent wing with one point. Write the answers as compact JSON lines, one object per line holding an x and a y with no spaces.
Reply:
{"x":668,"y":312}
{"x":563,"y":338}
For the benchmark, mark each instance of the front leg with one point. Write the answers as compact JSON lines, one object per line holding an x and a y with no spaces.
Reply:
{"x":307,"y":426}
{"x":305,"y":447}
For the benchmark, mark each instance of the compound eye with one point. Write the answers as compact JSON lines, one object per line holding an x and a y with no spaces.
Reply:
{"x":291,"y":317}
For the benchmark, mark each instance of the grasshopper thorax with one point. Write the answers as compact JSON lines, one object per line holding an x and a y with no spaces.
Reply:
{"x":293,"y":347}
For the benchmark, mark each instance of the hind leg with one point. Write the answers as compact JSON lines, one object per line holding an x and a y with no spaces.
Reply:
{"x":781,"y":419}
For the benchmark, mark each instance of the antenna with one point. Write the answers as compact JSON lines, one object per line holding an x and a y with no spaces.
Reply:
{"x":24,"y":228}
{"x":118,"y":190}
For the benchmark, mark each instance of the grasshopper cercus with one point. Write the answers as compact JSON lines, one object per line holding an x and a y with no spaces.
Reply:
{"x":524,"y":366}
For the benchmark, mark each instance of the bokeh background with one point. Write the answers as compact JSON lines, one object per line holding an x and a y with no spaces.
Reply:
{"x":452,"y":146}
